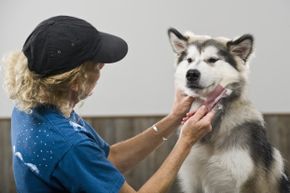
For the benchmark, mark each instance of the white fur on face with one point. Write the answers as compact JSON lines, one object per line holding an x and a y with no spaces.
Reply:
{"x":212,"y":74}
{"x":182,"y":68}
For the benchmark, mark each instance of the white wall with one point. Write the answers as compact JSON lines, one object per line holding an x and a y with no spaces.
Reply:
{"x":142,"y":83}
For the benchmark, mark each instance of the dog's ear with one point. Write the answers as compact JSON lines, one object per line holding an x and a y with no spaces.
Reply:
{"x":242,"y":46}
{"x":177,"y":40}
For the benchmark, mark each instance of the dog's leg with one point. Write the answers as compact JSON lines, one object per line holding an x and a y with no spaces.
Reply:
{"x":191,"y":171}
{"x":227,"y":171}
{"x":189,"y":181}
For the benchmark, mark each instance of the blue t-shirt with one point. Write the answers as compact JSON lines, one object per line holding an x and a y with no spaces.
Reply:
{"x":52,"y":153}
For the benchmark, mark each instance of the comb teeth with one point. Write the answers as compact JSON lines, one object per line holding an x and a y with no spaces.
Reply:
{"x":228,"y":92}
{"x":219,"y":93}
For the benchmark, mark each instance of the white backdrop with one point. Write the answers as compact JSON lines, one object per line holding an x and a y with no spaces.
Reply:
{"x":142,"y":84}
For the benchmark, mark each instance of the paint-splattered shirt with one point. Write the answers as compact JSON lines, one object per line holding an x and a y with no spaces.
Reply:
{"x":52,"y":153}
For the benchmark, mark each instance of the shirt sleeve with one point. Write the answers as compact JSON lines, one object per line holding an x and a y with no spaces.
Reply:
{"x":85,"y":168}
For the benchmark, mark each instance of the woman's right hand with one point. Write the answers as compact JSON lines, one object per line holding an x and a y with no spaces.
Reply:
{"x":197,"y":126}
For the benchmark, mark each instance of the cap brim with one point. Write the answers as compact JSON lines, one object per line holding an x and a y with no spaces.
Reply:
{"x":112,"y":48}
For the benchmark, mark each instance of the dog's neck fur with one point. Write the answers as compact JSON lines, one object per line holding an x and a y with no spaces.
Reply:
{"x":235,"y":110}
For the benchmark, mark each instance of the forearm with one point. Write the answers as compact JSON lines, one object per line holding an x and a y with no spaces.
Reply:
{"x":165,"y":175}
{"x":127,"y":154}
{"x":161,"y":181}
{"x":195,"y":128}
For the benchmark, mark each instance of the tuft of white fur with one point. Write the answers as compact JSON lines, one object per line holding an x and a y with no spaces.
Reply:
{"x":193,"y":37}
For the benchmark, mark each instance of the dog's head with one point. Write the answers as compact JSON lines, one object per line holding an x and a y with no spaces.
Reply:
{"x":204,"y":62}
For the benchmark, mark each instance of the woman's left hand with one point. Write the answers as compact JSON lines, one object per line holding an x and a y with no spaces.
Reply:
{"x":181,"y":105}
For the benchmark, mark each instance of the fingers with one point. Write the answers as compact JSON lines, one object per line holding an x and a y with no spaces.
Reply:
{"x":199,"y":114}
{"x":205,"y":122}
{"x":200,"y":118}
{"x":198,"y":124}
{"x":180,"y":94}
{"x":209,"y":116}
{"x":204,"y":125}
{"x":182,"y":104}
{"x":188,"y":115}
{"x":189,"y":98}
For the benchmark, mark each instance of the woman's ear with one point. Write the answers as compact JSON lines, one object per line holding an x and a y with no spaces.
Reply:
{"x":74,"y":87}
{"x":100,"y":66}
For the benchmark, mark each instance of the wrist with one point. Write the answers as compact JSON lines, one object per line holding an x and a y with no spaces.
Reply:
{"x":184,"y":144}
{"x":176,"y":117}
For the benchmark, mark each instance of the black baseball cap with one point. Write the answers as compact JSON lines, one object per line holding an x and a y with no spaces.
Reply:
{"x":61,"y":43}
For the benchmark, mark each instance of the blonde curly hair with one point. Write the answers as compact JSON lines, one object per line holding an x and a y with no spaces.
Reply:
{"x":28,"y":90}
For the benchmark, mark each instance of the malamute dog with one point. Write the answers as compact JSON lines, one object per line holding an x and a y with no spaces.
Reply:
{"x":236,"y":156}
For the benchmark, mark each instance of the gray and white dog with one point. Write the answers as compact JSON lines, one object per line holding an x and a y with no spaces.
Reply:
{"x":236,"y":157}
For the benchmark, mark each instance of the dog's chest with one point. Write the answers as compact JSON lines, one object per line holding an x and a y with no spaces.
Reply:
{"x":194,"y":168}
{"x":204,"y":152}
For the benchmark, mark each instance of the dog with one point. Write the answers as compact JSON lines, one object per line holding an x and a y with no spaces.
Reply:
{"x":236,"y":157}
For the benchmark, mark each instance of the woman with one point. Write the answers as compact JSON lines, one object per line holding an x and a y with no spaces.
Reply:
{"x":54,"y":149}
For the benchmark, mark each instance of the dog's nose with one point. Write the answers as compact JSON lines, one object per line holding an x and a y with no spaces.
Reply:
{"x":193,"y":75}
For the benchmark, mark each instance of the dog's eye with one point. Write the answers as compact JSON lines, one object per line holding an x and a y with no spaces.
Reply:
{"x":212,"y":60}
{"x":189,"y":60}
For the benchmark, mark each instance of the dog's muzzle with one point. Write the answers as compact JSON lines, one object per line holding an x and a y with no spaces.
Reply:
{"x":193,"y":77}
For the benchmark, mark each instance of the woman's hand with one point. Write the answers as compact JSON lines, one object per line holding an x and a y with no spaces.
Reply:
{"x":188,"y":115}
{"x":181,"y":105}
{"x":197,"y":126}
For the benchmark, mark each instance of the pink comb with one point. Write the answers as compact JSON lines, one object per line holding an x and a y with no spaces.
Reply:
{"x":212,"y":100}
{"x":215,"y":96}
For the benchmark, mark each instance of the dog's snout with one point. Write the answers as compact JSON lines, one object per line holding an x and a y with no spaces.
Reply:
{"x":193,"y":75}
